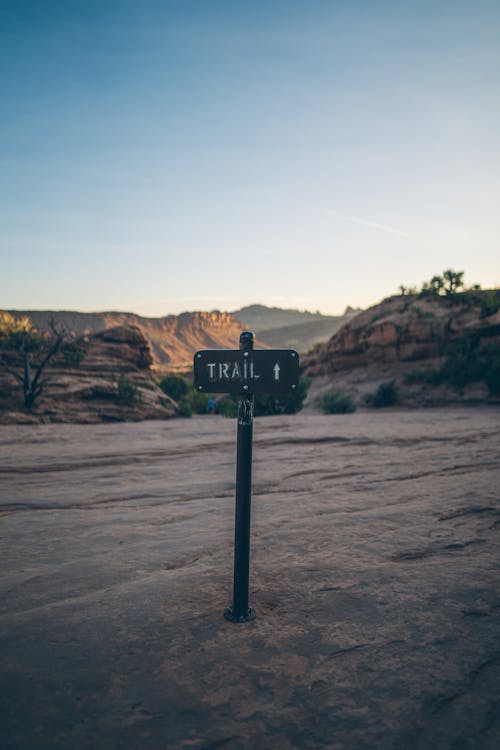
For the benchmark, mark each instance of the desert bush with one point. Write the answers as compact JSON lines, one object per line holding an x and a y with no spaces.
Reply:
{"x":73,"y":356}
{"x":184,"y":408}
{"x":337,"y":403}
{"x":490,"y":303}
{"x":174,"y":386}
{"x":467,"y":362}
{"x":266,"y":404}
{"x":227,"y":406}
{"x":128,"y":394}
{"x":385,"y":395}
{"x":193,"y":402}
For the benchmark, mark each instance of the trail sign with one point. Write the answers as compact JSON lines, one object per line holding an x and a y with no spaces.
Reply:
{"x":246,"y":371}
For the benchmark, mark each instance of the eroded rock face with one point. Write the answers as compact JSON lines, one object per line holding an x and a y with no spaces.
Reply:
{"x":401,"y":329}
{"x":101,"y":377}
{"x":395,"y":340}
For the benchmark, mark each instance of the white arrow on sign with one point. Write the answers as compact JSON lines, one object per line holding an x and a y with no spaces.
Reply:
{"x":276,"y":371}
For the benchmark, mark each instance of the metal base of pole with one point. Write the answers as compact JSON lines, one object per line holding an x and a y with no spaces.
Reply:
{"x":229,"y":615}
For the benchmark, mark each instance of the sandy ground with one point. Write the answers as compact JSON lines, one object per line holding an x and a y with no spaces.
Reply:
{"x":375,"y":576}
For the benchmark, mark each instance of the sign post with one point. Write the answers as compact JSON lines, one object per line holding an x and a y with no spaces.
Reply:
{"x":245,"y":371}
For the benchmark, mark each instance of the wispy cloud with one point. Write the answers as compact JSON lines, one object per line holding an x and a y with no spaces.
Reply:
{"x":372,"y":224}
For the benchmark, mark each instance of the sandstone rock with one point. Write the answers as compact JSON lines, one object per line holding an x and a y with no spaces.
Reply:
{"x":391,"y":339}
{"x":112,"y":382}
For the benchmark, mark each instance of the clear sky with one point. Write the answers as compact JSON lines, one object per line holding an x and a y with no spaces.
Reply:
{"x":160,"y":156}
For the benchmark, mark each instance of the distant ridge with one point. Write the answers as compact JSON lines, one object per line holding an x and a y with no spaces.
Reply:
{"x":301,"y":330}
{"x":173,"y":339}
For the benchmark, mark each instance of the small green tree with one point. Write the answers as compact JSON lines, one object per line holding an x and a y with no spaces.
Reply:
{"x":452,"y":281}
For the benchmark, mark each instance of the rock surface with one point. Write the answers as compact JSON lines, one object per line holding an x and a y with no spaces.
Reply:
{"x":374,"y":575}
{"x":392,"y":339}
{"x":112,"y":382}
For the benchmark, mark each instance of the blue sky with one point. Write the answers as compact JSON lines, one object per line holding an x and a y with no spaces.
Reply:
{"x":166,"y":156}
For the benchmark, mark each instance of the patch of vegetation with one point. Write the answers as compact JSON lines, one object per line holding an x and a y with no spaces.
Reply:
{"x":25,"y":353}
{"x":127,"y":394}
{"x":385,"y":395}
{"x":409,"y":291}
{"x":467,"y":362}
{"x":337,"y":403}
{"x":227,"y":406}
{"x":193,"y":402}
{"x":281,"y":403}
{"x":490,"y":303}
{"x":448,"y":284}
{"x":265,"y":404}
{"x":174,"y":386}
{"x":73,"y":355}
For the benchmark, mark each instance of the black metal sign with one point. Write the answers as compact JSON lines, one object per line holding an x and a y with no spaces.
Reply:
{"x":244,"y":371}
{"x":250,"y":371}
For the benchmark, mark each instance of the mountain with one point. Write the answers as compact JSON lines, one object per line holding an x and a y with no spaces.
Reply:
{"x":173,"y":339}
{"x":295,"y":329}
{"x":408,"y":339}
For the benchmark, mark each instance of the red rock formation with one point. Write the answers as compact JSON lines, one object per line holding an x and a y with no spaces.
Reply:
{"x":401,"y":329}
{"x":112,"y":382}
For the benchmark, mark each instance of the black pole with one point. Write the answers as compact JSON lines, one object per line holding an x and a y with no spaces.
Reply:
{"x":240,"y":611}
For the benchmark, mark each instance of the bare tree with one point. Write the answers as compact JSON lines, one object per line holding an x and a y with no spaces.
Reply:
{"x":35,"y":351}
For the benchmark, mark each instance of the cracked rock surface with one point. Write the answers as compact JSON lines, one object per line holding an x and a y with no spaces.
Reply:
{"x":375,"y":568}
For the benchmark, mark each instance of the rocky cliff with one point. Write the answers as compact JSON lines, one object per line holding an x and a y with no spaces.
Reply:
{"x":393,"y":338}
{"x":101,"y":377}
{"x":173,"y":339}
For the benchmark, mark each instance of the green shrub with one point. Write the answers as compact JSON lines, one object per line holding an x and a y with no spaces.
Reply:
{"x":128,"y":394}
{"x":193,"y":402}
{"x":174,"y":386}
{"x":266,"y":404}
{"x":490,"y":303}
{"x":73,"y":356}
{"x":337,"y":403}
{"x":467,"y":362}
{"x":227,"y":406}
{"x":385,"y":395}
{"x":184,"y":408}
